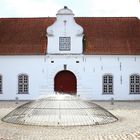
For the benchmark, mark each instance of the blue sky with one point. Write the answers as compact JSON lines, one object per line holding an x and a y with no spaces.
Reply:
{"x":45,"y":8}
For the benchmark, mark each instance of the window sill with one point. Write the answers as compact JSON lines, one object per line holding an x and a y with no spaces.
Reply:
{"x":107,"y":94}
{"x":134,"y":93}
{"x":22,"y":93}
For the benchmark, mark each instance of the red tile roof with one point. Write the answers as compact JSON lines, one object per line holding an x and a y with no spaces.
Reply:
{"x":107,"y":36}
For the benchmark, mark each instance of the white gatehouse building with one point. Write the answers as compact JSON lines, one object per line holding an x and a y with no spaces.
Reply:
{"x":96,"y":58}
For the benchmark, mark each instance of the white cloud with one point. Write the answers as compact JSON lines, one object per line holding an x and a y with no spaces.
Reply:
{"x":44,"y":8}
{"x":115,"y":7}
{"x":32,"y":8}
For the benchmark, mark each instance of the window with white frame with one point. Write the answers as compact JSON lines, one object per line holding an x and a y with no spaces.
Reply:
{"x":134,"y":84}
{"x":107,"y":84}
{"x":23,"y":82}
{"x":64,"y":43}
{"x":0,"y":84}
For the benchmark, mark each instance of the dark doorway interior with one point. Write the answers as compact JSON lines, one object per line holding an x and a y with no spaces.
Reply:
{"x":65,"y":82}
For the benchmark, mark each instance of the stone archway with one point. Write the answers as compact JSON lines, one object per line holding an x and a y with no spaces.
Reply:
{"x":65,"y":81}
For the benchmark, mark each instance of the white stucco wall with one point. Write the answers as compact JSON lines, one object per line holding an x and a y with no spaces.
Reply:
{"x":88,"y":71}
{"x":12,"y":66}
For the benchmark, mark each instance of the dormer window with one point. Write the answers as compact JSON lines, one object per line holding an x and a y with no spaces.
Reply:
{"x":64,"y":43}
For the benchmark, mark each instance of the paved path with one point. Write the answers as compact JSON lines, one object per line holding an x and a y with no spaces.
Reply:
{"x":127,"y":128}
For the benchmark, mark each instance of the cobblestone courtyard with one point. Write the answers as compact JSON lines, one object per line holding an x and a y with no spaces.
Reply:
{"x":127,"y":128}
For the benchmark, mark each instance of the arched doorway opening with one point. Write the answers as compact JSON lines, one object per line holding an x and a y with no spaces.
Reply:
{"x":65,"y":81}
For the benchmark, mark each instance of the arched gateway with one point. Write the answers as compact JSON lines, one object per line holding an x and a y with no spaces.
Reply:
{"x":65,"y":81}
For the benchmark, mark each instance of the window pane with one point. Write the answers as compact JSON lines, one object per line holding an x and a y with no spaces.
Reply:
{"x":105,"y":89}
{"x":64,"y":43}
{"x":132,"y":89}
{"x":107,"y":84}
{"x":110,"y":79}
{"x":134,"y":84}
{"x":110,"y":88}
{"x":137,"y":88}
{"x":132,"y":79}
{"x":137,"y":79}
{"x":0,"y":84}
{"x":23,"y":84}
{"x":105,"y":79}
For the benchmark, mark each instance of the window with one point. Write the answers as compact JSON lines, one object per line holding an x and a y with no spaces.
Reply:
{"x":0,"y":84}
{"x":23,"y":84}
{"x":64,"y":43}
{"x":107,"y":84}
{"x":135,"y":84}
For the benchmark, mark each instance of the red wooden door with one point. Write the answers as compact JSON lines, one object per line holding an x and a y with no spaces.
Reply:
{"x":65,"y":81}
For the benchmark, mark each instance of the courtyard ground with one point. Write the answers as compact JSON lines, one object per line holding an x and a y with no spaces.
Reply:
{"x":126,"y":128}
